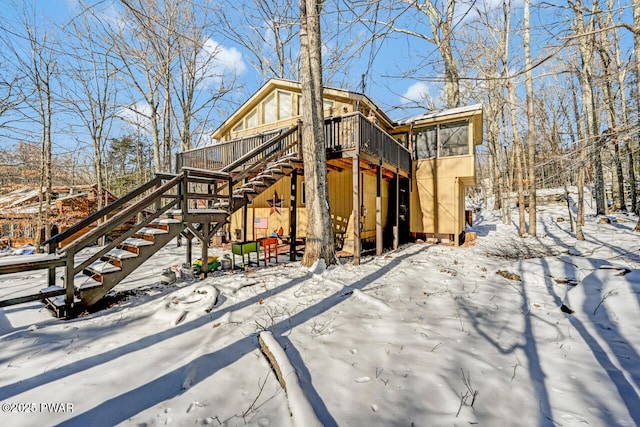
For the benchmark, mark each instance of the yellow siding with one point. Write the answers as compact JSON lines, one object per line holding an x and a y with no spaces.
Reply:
{"x":341,"y":202}
{"x":442,"y":180}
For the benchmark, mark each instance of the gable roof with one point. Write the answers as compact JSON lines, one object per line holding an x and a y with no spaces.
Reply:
{"x":292,"y":86}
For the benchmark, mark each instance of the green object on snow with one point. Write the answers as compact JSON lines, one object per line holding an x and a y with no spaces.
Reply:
{"x":213,"y":264}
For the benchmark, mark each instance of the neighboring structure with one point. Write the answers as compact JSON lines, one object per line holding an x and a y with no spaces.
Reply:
{"x":19,"y":211}
{"x":396,"y":178}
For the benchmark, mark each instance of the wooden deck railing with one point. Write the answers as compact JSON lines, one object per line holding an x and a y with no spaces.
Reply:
{"x":218,"y":156}
{"x":355,"y":131}
{"x":342,"y":134}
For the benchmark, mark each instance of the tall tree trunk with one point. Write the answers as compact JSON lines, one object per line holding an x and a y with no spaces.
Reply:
{"x":586,"y":45}
{"x":580,"y":160}
{"x":319,"y":240}
{"x":517,"y":143}
{"x":531,"y":137}
{"x":636,"y":49}
{"x":633,"y":195}
{"x":603,"y":47}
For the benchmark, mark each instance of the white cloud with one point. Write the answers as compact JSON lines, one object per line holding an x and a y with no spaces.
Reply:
{"x":418,"y":92}
{"x":216,"y":62}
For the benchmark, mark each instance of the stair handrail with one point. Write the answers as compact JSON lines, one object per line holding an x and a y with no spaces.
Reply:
{"x":121,"y":217}
{"x":260,"y":165}
{"x":53,"y":241}
{"x":260,"y":149}
{"x":124,"y":236}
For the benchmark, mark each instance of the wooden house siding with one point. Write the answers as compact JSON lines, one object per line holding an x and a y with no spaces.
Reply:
{"x":384,"y":151}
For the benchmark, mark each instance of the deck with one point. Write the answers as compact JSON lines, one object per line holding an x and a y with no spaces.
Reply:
{"x":345,"y":137}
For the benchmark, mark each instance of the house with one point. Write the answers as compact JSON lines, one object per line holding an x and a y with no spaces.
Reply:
{"x":388,"y":180}
{"x":69,"y":204}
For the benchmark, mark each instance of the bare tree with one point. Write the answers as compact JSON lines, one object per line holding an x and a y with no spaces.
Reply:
{"x":585,"y":27}
{"x":531,"y":124}
{"x":604,"y":48}
{"x":635,"y":4}
{"x":91,"y":90}
{"x":319,"y":240}
{"x":199,"y":83}
{"x":39,"y":68}
{"x":268,"y":30}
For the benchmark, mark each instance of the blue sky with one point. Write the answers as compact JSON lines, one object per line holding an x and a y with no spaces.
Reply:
{"x":384,"y":61}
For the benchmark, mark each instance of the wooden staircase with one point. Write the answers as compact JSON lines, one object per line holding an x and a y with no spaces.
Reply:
{"x":261,"y":181}
{"x":102,"y":275}
{"x":165,"y":207}
{"x":168,"y":206}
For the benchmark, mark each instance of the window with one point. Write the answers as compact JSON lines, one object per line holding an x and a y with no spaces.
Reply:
{"x":454,"y":139}
{"x":252,"y":119}
{"x":269,"y":110}
{"x":445,"y":140}
{"x":239,"y":127}
{"x":425,"y":142}
{"x":284,"y":105}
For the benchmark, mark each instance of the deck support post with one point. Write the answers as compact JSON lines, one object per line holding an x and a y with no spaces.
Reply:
{"x":356,"y":209}
{"x":206,"y":235}
{"x":245,"y":218}
{"x":51,"y":273}
{"x":379,"y":243}
{"x":189,"y":238}
{"x":396,"y":219}
{"x":293,"y":216}
{"x":69,"y":297}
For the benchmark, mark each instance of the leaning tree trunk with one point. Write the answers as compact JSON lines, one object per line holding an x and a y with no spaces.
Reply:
{"x":319,"y":239}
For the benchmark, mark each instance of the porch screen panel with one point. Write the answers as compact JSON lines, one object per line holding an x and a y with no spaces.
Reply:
{"x":425,"y":142}
{"x":454,"y":139}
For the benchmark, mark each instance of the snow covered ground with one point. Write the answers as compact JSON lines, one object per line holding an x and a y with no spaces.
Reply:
{"x":428,"y":335}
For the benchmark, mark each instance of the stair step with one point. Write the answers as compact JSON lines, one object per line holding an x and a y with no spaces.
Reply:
{"x":120,"y":254}
{"x":58,"y":303}
{"x":274,"y":171}
{"x":266,"y":177}
{"x":151,"y":231}
{"x":165,"y":221}
{"x":135,"y":242}
{"x":102,"y":267}
{"x":245,"y":190}
{"x":84,"y":282}
{"x":207,"y":211}
{"x":283,"y":165}
{"x":51,"y":289}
